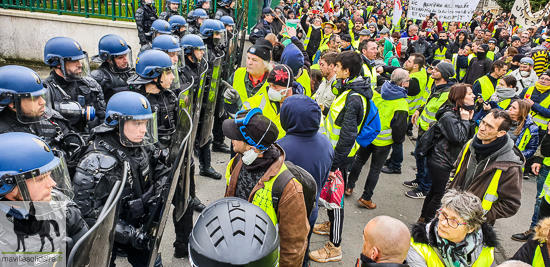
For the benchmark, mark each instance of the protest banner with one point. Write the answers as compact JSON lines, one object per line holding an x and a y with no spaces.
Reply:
{"x":524,"y":17}
{"x":446,"y":10}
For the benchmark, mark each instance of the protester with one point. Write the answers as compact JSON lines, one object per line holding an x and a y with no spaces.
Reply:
{"x":386,"y":241}
{"x":535,"y":251}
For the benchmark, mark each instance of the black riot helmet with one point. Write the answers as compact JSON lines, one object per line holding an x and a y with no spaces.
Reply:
{"x":234,"y":232}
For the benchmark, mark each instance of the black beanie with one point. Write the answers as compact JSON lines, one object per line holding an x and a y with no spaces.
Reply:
{"x":262,"y":49}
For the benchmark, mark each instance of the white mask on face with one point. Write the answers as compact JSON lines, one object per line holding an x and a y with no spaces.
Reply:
{"x":275,"y":95}
{"x":524,"y":73}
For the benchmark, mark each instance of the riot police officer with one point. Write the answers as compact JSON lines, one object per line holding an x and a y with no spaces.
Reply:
{"x":158,"y":28}
{"x":263,"y":27}
{"x":178,"y":26}
{"x":225,"y":9}
{"x":115,"y":57}
{"x":195,"y":19}
{"x":203,"y":4}
{"x":145,"y":15}
{"x":155,"y":74}
{"x":127,"y":136}
{"x":229,"y":24}
{"x":30,"y":172}
{"x":238,"y":221}
{"x":72,"y":91}
{"x":26,"y":107}
{"x":172,"y":8}
{"x":193,"y":63}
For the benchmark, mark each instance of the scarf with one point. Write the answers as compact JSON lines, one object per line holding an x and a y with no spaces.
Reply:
{"x":459,"y":254}
{"x":542,"y":89}
{"x":503,"y":93}
{"x":482,"y":151}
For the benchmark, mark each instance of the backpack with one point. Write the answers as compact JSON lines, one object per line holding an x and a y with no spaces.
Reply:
{"x":371,"y":126}
{"x":309,"y":186}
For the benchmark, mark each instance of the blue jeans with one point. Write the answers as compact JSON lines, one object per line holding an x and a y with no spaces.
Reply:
{"x":396,"y":158}
{"x":423,"y":178}
{"x":541,"y":178}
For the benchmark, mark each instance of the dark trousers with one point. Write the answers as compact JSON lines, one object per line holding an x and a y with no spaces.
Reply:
{"x":541,"y":178}
{"x":422,"y":176}
{"x":136,"y":257}
{"x":217,"y":131}
{"x":432,"y":202}
{"x":380,"y":153}
{"x":396,"y":158}
{"x":544,"y":209}
{"x":336,"y":219}
{"x":184,"y":226}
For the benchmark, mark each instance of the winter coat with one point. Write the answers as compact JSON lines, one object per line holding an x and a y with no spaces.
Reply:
{"x":293,"y":58}
{"x":476,"y":69}
{"x":391,"y":91}
{"x":145,"y":16}
{"x":533,"y":143}
{"x":389,"y":54}
{"x":300,"y":117}
{"x":451,"y":134}
{"x":324,"y":94}
{"x":510,"y":161}
{"x":291,"y":212}
{"x":524,"y":82}
{"x":420,"y":235}
{"x":538,"y":97}
{"x":350,"y":118}
{"x":526,"y":253}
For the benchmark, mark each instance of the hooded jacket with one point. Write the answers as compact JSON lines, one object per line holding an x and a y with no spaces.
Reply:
{"x":390,"y":55}
{"x":510,"y":160}
{"x":427,"y":236}
{"x":291,"y":213}
{"x":533,"y":143}
{"x":391,"y":91}
{"x":451,"y":134}
{"x":350,"y":118}
{"x":293,"y":58}
{"x":300,"y":117}
{"x":476,"y":69}
{"x":526,"y":253}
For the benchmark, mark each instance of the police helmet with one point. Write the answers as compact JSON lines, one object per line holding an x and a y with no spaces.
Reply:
{"x":19,"y":84}
{"x":27,"y":159}
{"x":200,"y":13}
{"x":151,"y":63}
{"x":201,"y":2}
{"x":176,"y":22}
{"x":166,"y":43}
{"x":128,"y":106}
{"x":190,"y":42}
{"x":111,"y":46}
{"x":161,"y":26}
{"x":225,"y":2}
{"x":233,"y":232}
{"x":227,"y":21}
{"x":61,"y":50}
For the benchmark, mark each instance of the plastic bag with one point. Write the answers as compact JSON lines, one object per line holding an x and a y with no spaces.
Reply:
{"x":332,"y":195}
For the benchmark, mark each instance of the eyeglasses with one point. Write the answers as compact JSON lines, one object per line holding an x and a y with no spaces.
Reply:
{"x":450,"y":222}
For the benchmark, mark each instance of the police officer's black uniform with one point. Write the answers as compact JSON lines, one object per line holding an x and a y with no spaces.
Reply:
{"x":111,"y":82}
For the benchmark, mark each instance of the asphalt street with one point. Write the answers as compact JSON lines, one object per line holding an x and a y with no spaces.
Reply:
{"x":390,"y":198}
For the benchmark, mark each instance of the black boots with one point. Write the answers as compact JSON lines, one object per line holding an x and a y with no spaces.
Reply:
{"x":205,"y":159}
{"x":220,"y":147}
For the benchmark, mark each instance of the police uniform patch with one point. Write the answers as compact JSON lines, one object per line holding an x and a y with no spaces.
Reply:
{"x":77,"y":46}
{"x":252,"y":50}
{"x":256,"y":30}
{"x":143,"y":102}
{"x":121,"y":42}
{"x":41,"y":143}
{"x":36,"y":78}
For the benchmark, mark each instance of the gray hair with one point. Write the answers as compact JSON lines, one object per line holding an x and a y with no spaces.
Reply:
{"x":514,"y":263}
{"x":413,"y":26}
{"x":399,"y":76}
{"x":467,"y":205}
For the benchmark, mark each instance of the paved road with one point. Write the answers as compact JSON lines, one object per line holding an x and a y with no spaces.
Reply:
{"x":391,"y":201}
{"x":389,"y":196}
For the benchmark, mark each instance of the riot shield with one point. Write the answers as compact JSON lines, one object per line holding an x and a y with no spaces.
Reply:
{"x":185,"y":102}
{"x":207,"y":117}
{"x":155,"y":225}
{"x":96,"y":246}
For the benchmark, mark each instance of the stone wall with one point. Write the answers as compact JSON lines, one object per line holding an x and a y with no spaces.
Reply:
{"x":24,"y":34}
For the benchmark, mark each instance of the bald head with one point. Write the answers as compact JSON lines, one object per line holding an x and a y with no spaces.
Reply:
{"x":387,"y":240}
{"x":514,"y":263}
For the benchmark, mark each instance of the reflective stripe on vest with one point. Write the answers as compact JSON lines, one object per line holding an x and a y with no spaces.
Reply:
{"x":485,"y":258}
{"x":538,"y":119}
{"x":305,"y":81}
{"x":418,"y":100}
{"x":371,"y":74}
{"x":491,"y":195}
{"x":525,"y":139}
{"x":461,"y":72}
{"x":440,"y":54}
{"x":387,"y":109}
{"x":538,"y":260}
{"x":262,"y":101}
{"x":329,"y":127}
{"x":428,"y":114}
{"x":240,"y":86}
{"x":487,"y":87}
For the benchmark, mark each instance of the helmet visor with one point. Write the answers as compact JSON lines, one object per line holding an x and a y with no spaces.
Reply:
{"x":33,"y":107}
{"x":121,"y":63}
{"x":219,"y":37}
{"x":75,"y":69}
{"x":37,"y":184}
{"x":169,"y":79}
{"x":136,"y":131}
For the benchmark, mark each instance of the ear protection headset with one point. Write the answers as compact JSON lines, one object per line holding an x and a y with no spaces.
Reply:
{"x":241,"y":124}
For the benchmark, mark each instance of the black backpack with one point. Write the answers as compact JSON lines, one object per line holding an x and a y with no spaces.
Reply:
{"x":309,"y":186}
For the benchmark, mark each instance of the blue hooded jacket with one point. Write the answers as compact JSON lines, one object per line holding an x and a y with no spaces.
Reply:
{"x":293,"y":57}
{"x":303,"y":144}
{"x":392,"y":91}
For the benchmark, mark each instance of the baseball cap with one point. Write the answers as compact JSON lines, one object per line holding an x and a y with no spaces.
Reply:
{"x":267,"y":11}
{"x":515,"y":38}
{"x":364,"y":32}
{"x":256,"y":127}
{"x":527,"y":60}
{"x":493,"y":41}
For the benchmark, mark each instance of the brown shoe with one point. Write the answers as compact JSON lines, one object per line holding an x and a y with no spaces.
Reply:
{"x":367,"y":204}
{"x":348,"y":191}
